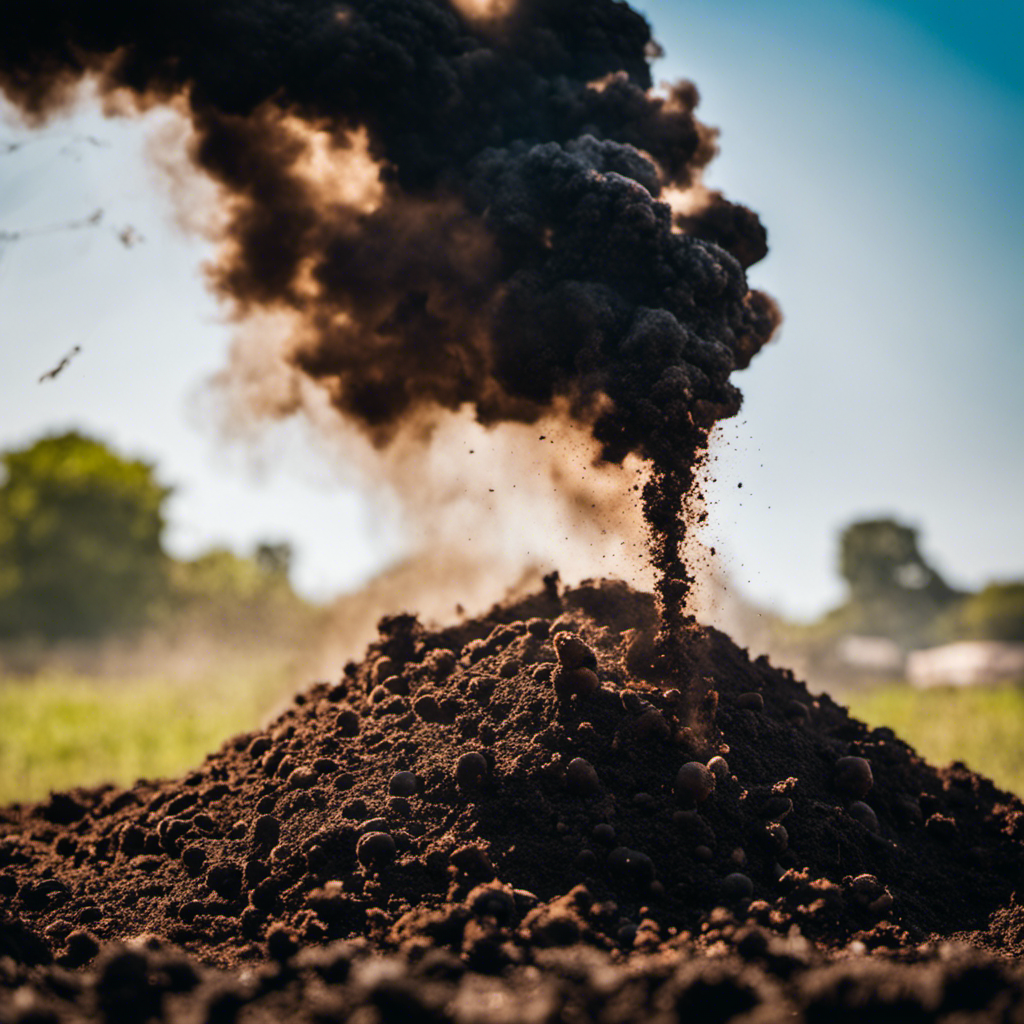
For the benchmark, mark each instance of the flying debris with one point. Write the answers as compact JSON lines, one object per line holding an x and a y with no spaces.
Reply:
{"x":129,"y":237}
{"x":93,"y":220}
{"x":70,"y":148}
{"x":59,"y":368}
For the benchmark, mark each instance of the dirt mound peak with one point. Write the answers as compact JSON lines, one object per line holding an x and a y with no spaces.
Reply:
{"x":521,"y":779}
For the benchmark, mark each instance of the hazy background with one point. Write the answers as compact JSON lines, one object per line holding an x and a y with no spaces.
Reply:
{"x":880,"y":143}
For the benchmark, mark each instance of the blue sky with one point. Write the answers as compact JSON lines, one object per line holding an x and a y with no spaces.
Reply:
{"x":880,"y":142}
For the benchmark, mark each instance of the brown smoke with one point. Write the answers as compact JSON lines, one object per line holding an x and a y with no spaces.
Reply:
{"x":455,"y":211}
{"x":481,"y":508}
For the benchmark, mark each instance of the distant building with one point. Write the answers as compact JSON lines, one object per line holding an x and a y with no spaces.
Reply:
{"x":871,"y":654}
{"x":967,"y":663}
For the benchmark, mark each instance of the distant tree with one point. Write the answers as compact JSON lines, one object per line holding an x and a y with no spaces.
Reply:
{"x":80,"y":540}
{"x":995,"y":613}
{"x":893,"y":591}
{"x":239,"y":596}
{"x":220,"y":577}
{"x":879,"y":558}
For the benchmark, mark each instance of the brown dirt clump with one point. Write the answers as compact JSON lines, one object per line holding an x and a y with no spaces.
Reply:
{"x":514,"y":793}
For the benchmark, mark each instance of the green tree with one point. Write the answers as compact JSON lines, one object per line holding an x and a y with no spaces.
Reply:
{"x":995,"y":613}
{"x":219,"y":577}
{"x":879,"y":558}
{"x":241,"y":597}
{"x":893,"y":591}
{"x":80,"y":540}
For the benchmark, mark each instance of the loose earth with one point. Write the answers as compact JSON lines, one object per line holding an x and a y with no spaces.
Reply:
{"x":550,"y":812}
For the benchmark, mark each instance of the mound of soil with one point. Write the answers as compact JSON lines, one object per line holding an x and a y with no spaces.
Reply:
{"x":531,"y":812}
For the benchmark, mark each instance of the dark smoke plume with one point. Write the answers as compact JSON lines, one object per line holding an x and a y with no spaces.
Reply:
{"x":514,"y":251}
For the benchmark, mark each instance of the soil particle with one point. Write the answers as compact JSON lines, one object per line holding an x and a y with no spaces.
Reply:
{"x":582,"y":778}
{"x":853,"y":777}
{"x":471,"y":770}
{"x":403,"y":784}
{"x":573,"y":653}
{"x":694,"y":783}
{"x":737,"y":886}
{"x":576,"y":682}
{"x":861,"y":812}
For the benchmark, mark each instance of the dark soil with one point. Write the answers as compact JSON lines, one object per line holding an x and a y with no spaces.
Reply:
{"x":509,"y":820}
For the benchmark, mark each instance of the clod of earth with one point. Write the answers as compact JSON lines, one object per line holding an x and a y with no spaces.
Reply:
{"x":694,"y":783}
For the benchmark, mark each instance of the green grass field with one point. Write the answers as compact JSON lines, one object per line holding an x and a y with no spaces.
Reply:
{"x":59,"y":730}
{"x":982,"y":726}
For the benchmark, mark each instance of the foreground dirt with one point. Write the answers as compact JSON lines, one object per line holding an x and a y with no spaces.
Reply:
{"x":537,"y":815}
